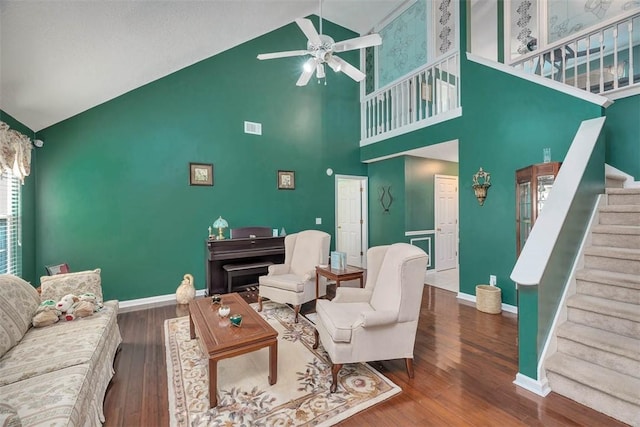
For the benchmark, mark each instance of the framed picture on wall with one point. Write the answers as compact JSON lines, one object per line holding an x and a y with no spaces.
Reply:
{"x":286,"y":180}
{"x":200,"y":174}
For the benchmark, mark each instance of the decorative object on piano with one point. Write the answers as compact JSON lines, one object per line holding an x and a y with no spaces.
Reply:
{"x":275,"y":232}
{"x":224,"y":310}
{"x":481,"y":183}
{"x":216,"y":298}
{"x":186,"y":290}
{"x":286,"y":180}
{"x":386,"y":199}
{"x":338,"y":260}
{"x":211,"y":236}
{"x":220,"y":224}
{"x":201,"y":174}
{"x":236,"y":320}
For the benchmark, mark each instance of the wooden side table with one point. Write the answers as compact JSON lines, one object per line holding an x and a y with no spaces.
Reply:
{"x":349,"y":273}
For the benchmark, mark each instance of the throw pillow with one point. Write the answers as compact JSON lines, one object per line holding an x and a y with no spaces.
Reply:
{"x":55,"y":287}
{"x":18,"y":304}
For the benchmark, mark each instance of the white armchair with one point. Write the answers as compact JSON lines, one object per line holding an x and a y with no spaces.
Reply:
{"x":294,"y":282}
{"x":378,"y":322}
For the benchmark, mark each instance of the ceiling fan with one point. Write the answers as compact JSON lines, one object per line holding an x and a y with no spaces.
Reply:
{"x":322,"y":49}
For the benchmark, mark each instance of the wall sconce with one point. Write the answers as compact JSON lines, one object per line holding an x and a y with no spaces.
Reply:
{"x":481,"y":183}
{"x":220,"y":224}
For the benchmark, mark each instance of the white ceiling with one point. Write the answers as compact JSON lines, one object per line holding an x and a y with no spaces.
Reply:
{"x":61,"y":57}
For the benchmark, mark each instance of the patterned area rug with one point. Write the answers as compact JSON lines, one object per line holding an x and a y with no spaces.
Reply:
{"x":300,"y":397}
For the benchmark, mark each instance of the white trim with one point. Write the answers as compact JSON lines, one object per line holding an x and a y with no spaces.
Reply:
{"x":541,"y":388}
{"x":433,"y":120}
{"x":428,"y":239}
{"x":602,"y":101}
{"x":418,"y":232}
{"x":629,"y":180}
{"x":393,"y":15}
{"x":472,"y":298}
{"x":142,"y":303}
{"x":623,"y":92}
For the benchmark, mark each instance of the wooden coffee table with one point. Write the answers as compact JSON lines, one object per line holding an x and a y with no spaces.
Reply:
{"x":219,"y":340}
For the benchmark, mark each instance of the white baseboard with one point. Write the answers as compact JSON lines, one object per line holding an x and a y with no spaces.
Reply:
{"x":472,"y":298}
{"x":141,"y":303}
{"x":541,"y":388}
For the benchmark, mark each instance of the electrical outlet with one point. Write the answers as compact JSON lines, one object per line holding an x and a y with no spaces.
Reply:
{"x":318,"y":221}
{"x":492,"y":280}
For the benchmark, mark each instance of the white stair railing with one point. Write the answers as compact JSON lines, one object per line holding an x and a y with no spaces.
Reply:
{"x":411,"y":101}
{"x":599,"y":60}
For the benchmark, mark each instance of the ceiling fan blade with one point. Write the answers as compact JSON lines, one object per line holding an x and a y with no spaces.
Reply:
{"x":309,"y":68}
{"x":309,"y":30}
{"x":338,"y":64}
{"x":358,"y":43}
{"x":286,"y":54}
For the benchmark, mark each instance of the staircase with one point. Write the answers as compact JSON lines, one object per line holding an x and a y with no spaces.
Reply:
{"x":597,"y":362}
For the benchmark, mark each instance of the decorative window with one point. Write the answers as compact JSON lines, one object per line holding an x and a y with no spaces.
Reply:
{"x":10,"y":225}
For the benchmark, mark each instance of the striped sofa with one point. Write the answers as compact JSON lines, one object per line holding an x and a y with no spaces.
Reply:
{"x":58,"y":374}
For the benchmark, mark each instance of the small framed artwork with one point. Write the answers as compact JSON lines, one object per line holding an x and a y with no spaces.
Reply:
{"x":52,"y":270}
{"x":286,"y":180}
{"x":200,"y":174}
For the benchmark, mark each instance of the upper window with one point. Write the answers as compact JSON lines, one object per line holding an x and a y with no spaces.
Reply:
{"x":10,"y":225}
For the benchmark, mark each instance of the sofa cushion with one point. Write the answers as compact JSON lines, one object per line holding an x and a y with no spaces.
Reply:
{"x":340,"y":319}
{"x":288,"y":282}
{"x":18,"y":304}
{"x":63,"y":344}
{"x":9,"y":416}
{"x":61,"y":398}
{"x":55,"y":287}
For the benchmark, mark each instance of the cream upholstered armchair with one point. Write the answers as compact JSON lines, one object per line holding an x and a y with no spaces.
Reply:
{"x":294,"y":282}
{"x":378,"y":322}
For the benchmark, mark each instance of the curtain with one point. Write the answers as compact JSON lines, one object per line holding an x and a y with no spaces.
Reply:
{"x":15,"y":152}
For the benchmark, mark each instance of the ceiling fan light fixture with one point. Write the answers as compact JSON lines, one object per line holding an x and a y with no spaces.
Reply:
{"x":307,"y":66}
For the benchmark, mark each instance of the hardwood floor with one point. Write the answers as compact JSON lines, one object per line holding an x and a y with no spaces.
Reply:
{"x":465,"y":363}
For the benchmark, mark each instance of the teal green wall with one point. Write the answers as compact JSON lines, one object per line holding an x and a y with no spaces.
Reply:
{"x":386,"y":227}
{"x":622,"y":130}
{"x":112,"y":182}
{"x":28,"y":206}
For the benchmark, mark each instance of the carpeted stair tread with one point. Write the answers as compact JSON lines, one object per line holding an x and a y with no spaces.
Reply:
{"x":605,"y":306}
{"x":631,"y":190}
{"x":630,"y":281}
{"x":621,"y":208}
{"x":617,"y":229}
{"x":611,"y":252}
{"x":602,"y":340}
{"x":608,"y":381}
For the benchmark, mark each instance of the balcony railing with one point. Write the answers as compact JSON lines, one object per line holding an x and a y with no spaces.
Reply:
{"x":601,"y":60}
{"x":413,"y":101}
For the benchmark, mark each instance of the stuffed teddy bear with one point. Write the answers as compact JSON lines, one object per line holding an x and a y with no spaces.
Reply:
{"x":72,"y":307}
{"x":46,"y":314}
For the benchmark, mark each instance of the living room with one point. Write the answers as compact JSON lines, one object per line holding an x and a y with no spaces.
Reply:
{"x":110,"y":187}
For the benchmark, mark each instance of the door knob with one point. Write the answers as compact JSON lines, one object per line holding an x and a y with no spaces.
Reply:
{"x":339,"y":227}
{"x":439,"y":229}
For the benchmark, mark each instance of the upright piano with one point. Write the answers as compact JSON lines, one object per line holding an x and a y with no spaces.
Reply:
{"x":249,"y":247}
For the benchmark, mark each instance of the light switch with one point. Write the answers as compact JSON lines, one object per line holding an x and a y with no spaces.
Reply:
{"x":318,"y":221}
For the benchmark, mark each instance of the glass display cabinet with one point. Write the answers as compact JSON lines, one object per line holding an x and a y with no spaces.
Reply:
{"x":533,"y":185}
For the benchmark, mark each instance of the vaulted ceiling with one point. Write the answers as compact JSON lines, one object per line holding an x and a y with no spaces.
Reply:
{"x":61,"y":57}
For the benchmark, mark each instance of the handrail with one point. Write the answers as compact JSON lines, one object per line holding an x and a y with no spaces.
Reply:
{"x":532,"y":262}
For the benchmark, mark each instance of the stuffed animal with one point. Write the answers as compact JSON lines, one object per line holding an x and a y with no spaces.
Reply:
{"x":72,"y":307}
{"x":186,"y":291}
{"x":46,"y":314}
{"x":92,"y":298}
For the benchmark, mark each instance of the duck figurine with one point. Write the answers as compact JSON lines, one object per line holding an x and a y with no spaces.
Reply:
{"x":186,"y":291}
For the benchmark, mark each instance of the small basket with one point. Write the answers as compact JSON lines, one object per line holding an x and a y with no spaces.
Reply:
{"x":489,"y":299}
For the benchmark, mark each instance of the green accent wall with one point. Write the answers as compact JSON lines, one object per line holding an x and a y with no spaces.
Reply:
{"x":28,"y":206}
{"x":112,"y":182}
{"x":622,"y":130}
{"x":386,"y":227}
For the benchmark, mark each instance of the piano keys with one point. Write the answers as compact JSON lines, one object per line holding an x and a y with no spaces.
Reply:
{"x":249,"y":246}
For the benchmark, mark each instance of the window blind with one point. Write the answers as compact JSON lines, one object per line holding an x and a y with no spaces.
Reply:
{"x":10,"y":225}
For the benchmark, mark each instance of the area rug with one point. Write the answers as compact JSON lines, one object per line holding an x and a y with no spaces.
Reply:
{"x":300,"y":397}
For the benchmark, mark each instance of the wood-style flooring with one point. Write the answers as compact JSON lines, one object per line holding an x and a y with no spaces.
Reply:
{"x":465,"y":363}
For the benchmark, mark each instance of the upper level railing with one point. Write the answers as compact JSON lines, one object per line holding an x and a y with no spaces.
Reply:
{"x":600,"y":60}
{"x":413,"y":101}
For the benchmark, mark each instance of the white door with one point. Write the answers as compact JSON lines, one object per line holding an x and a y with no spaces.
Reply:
{"x":351,"y":213}
{"x":446,"y":221}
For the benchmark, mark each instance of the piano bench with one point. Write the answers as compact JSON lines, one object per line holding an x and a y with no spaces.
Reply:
{"x":238,"y":270}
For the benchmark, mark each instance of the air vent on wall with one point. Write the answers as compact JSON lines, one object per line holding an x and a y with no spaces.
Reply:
{"x":253,"y":128}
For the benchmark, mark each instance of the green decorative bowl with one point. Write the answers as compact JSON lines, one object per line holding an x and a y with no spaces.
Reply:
{"x":236,"y":320}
